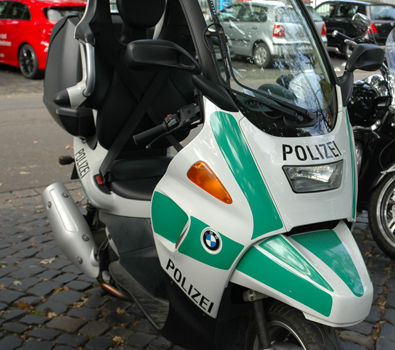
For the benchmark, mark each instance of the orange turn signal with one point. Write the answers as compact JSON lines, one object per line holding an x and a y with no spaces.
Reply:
{"x":202,"y":175}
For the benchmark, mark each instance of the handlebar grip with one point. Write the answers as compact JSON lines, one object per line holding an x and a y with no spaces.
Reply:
{"x":148,"y":135}
{"x":336,"y":34}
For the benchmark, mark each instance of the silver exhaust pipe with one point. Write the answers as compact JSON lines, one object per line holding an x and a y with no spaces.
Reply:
{"x":70,"y":229}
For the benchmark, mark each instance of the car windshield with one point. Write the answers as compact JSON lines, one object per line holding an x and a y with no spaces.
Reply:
{"x":382,"y":12}
{"x":275,"y":66}
{"x":57,"y":13}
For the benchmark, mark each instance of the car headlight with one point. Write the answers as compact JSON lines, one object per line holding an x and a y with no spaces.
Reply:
{"x":314,"y":178}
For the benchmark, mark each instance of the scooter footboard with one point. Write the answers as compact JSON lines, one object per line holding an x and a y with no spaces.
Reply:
{"x":70,"y":229}
{"x":320,"y":273}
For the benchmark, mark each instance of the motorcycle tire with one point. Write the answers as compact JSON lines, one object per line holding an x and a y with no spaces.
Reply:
{"x":381,"y":216}
{"x":289,"y":329}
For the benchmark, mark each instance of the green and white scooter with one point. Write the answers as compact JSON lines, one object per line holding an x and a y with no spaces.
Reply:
{"x":239,"y":238}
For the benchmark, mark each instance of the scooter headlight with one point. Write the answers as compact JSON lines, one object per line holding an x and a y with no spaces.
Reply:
{"x":315,"y":178}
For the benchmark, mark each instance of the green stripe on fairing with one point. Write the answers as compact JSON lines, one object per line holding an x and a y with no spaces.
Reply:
{"x":283,"y":250}
{"x":168,"y":219}
{"x":353,"y":166}
{"x":258,"y":266}
{"x":242,"y":165}
{"x":193,"y":247}
{"x":328,"y":247}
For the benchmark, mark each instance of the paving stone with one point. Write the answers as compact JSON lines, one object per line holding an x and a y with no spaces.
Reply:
{"x":25,"y":193}
{"x":33,"y":344}
{"x":21,"y":245}
{"x":67,"y":296}
{"x":49,"y":274}
{"x":119,"y":318}
{"x":124,"y":333}
{"x":65,"y":278}
{"x":6,"y":252}
{"x":87,"y":279}
{"x":72,"y":269}
{"x":50,"y":253}
{"x":390,"y":316}
{"x":29,"y":300}
{"x":100,"y":343}
{"x":96,"y":301}
{"x":85,"y":312}
{"x":43,"y":288}
{"x":78,"y":285}
{"x":66,"y":323}
{"x":63,"y":347}
{"x":56,"y":307}
{"x":10,"y":343}
{"x":114,"y":305}
{"x":391,"y":299}
{"x":41,"y":239}
{"x":27,"y":253}
{"x":57,"y":264}
{"x":15,"y":327}
{"x":3,"y":306}
{"x":8,"y":296}
{"x":161,"y":343}
{"x":72,"y":340}
{"x":27,"y":271}
{"x":39,"y":231}
{"x":9,"y":230}
{"x":354,"y":337}
{"x":44,"y":333}
{"x":13,"y":314}
{"x":24,"y":284}
{"x":351,"y":346}
{"x":20,"y":237}
{"x":381,"y":344}
{"x":95,"y":328}
{"x":6,"y":281}
{"x":363,"y":328}
{"x":388,"y":331}
{"x":141,"y":340}
{"x":30,"y":262}
{"x":34,"y":319}
{"x":144,"y":326}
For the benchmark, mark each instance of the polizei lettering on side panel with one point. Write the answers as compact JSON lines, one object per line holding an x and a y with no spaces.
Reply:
{"x":189,"y":289}
{"x":327,"y":150}
{"x":81,"y":163}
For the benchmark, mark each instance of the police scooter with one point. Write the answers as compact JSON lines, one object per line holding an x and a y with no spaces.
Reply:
{"x":242,"y":240}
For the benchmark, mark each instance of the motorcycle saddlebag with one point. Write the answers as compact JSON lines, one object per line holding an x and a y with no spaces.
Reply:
{"x":64,"y":70}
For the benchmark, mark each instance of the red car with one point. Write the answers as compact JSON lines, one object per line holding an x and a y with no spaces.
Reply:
{"x":25,"y":30}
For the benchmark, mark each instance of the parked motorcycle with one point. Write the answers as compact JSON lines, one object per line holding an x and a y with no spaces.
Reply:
{"x":372,"y":115}
{"x":242,"y":239}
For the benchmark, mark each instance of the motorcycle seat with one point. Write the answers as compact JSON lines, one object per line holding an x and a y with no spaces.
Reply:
{"x":137,"y":178}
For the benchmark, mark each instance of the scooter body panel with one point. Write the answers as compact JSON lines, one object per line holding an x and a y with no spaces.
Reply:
{"x":184,"y":214}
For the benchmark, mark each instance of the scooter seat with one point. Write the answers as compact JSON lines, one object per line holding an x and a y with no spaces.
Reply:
{"x":137,"y":178}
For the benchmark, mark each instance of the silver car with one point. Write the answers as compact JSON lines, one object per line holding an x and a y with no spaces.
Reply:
{"x":265,"y":31}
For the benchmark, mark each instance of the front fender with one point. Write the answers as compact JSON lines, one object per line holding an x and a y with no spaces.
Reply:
{"x":320,"y":273}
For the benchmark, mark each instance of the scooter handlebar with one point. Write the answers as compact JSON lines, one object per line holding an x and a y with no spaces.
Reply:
{"x":150,"y":134}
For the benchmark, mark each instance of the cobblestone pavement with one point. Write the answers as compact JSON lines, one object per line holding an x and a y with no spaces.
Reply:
{"x":47,"y":303}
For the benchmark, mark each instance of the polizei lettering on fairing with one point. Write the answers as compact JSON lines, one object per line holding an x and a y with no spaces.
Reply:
{"x":81,"y":163}
{"x":325,"y":150}
{"x":203,"y":302}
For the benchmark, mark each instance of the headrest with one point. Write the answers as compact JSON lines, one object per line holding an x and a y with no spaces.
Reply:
{"x":141,"y":13}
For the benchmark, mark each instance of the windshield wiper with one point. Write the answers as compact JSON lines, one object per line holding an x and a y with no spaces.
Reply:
{"x":293,"y":117}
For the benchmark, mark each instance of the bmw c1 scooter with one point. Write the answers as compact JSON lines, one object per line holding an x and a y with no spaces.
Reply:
{"x":242,"y":239}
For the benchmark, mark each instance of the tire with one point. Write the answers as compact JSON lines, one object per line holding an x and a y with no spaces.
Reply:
{"x":261,"y":56}
{"x":381,"y":216}
{"x":28,"y":62}
{"x":288,"y":325}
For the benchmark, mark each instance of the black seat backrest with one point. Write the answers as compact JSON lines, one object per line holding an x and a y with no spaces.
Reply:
{"x":112,"y":98}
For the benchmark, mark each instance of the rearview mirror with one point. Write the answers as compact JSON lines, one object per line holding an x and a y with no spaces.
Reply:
{"x":367,"y":57}
{"x":159,"y":55}
{"x":361,"y":21}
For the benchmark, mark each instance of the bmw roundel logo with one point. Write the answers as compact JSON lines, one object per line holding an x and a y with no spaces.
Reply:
{"x":211,"y":241}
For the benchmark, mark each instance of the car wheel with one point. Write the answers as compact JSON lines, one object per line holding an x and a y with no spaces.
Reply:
{"x":28,"y":62}
{"x":261,"y":56}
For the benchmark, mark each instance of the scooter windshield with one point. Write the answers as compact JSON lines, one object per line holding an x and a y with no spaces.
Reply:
{"x":274,"y":65}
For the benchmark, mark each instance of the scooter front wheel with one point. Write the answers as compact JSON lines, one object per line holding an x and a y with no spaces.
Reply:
{"x":290,"y":330}
{"x":382,"y":216}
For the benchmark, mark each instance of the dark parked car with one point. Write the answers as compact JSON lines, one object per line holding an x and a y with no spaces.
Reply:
{"x":338,"y":15}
